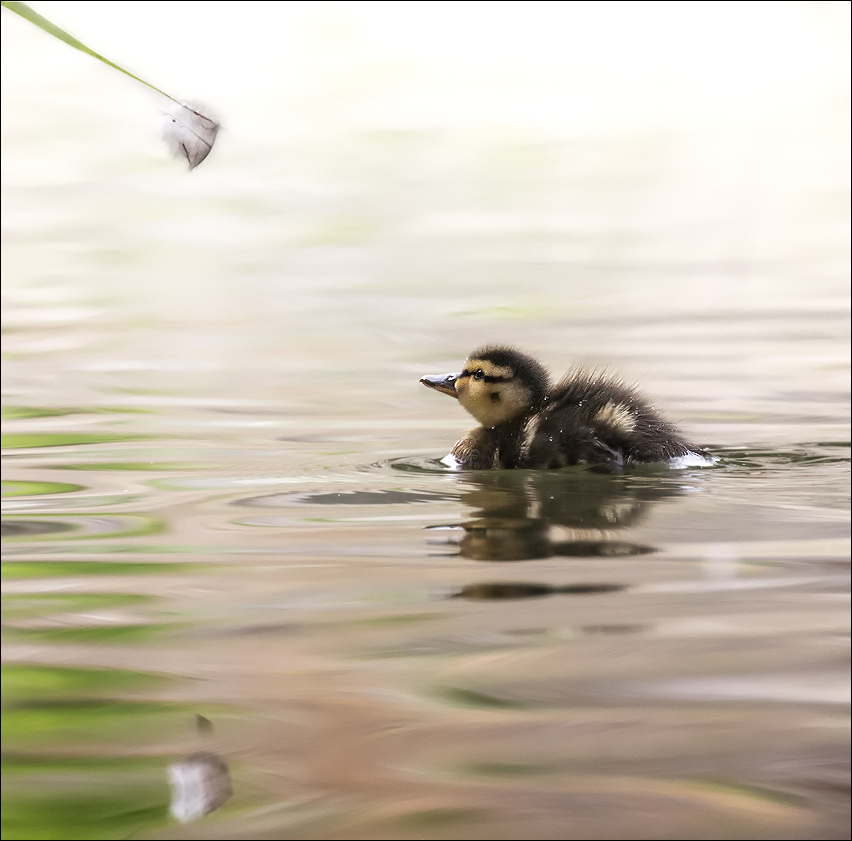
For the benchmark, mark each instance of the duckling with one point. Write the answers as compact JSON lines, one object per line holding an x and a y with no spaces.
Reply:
{"x":525,"y":422}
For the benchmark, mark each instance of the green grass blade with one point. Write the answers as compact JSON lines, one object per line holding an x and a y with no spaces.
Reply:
{"x":27,"y":13}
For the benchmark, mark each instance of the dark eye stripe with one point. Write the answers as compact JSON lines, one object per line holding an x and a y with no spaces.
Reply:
{"x":486,"y":378}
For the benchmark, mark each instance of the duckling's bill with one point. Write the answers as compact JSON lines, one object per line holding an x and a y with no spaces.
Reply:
{"x":445,"y":383}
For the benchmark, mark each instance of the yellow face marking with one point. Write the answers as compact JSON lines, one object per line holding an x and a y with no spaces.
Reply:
{"x":491,"y":393}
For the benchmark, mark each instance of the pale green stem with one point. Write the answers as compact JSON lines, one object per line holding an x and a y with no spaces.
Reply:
{"x":26,"y":12}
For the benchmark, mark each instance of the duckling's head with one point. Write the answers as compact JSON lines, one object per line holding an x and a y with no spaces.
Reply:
{"x":497,"y":385}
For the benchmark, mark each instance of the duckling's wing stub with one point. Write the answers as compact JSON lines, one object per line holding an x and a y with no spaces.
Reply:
{"x":445,"y":383}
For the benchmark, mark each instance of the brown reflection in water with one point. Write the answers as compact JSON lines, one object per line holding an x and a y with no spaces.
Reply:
{"x":348,"y":497}
{"x":498,"y":590}
{"x":516,"y":513}
{"x":614,"y":630}
{"x":31,"y":528}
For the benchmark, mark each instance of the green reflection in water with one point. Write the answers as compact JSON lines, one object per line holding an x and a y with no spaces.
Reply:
{"x":158,"y":549}
{"x":27,"y":763}
{"x":60,"y":709}
{"x":733,"y":787}
{"x":21,"y":682}
{"x":62,"y":569}
{"x":15,"y":441}
{"x":54,"y":724}
{"x":150,"y":466}
{"x":80,"y":803}
{"x":17,"y":528}
{"x":509,"y":770}
{"x":18,"y":488}
{"x":14,"y":412}
{"x":470,"y":698}
{"x":53,"y":707}
{"x":87,"y":634}
{"x":437,"y":818}
{"x":25,"y":605}
{"x":24,"y":412}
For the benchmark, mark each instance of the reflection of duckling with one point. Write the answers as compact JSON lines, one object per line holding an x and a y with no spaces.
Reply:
{"x":526,"y":422}
{"x":521,"y":515}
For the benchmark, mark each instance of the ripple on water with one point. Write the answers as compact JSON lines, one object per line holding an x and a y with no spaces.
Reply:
{"x":19,"y":488}
{"x":408,"y":464}
{"x":823,"y":452}
{"x":577,"y":637}
{"x":22,"y":527}
{"x":346,"y":497}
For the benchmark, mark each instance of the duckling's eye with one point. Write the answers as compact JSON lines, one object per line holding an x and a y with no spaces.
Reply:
{"x":479,"y":374}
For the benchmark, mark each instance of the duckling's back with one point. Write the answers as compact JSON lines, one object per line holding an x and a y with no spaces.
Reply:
{"x":589,"y":418}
